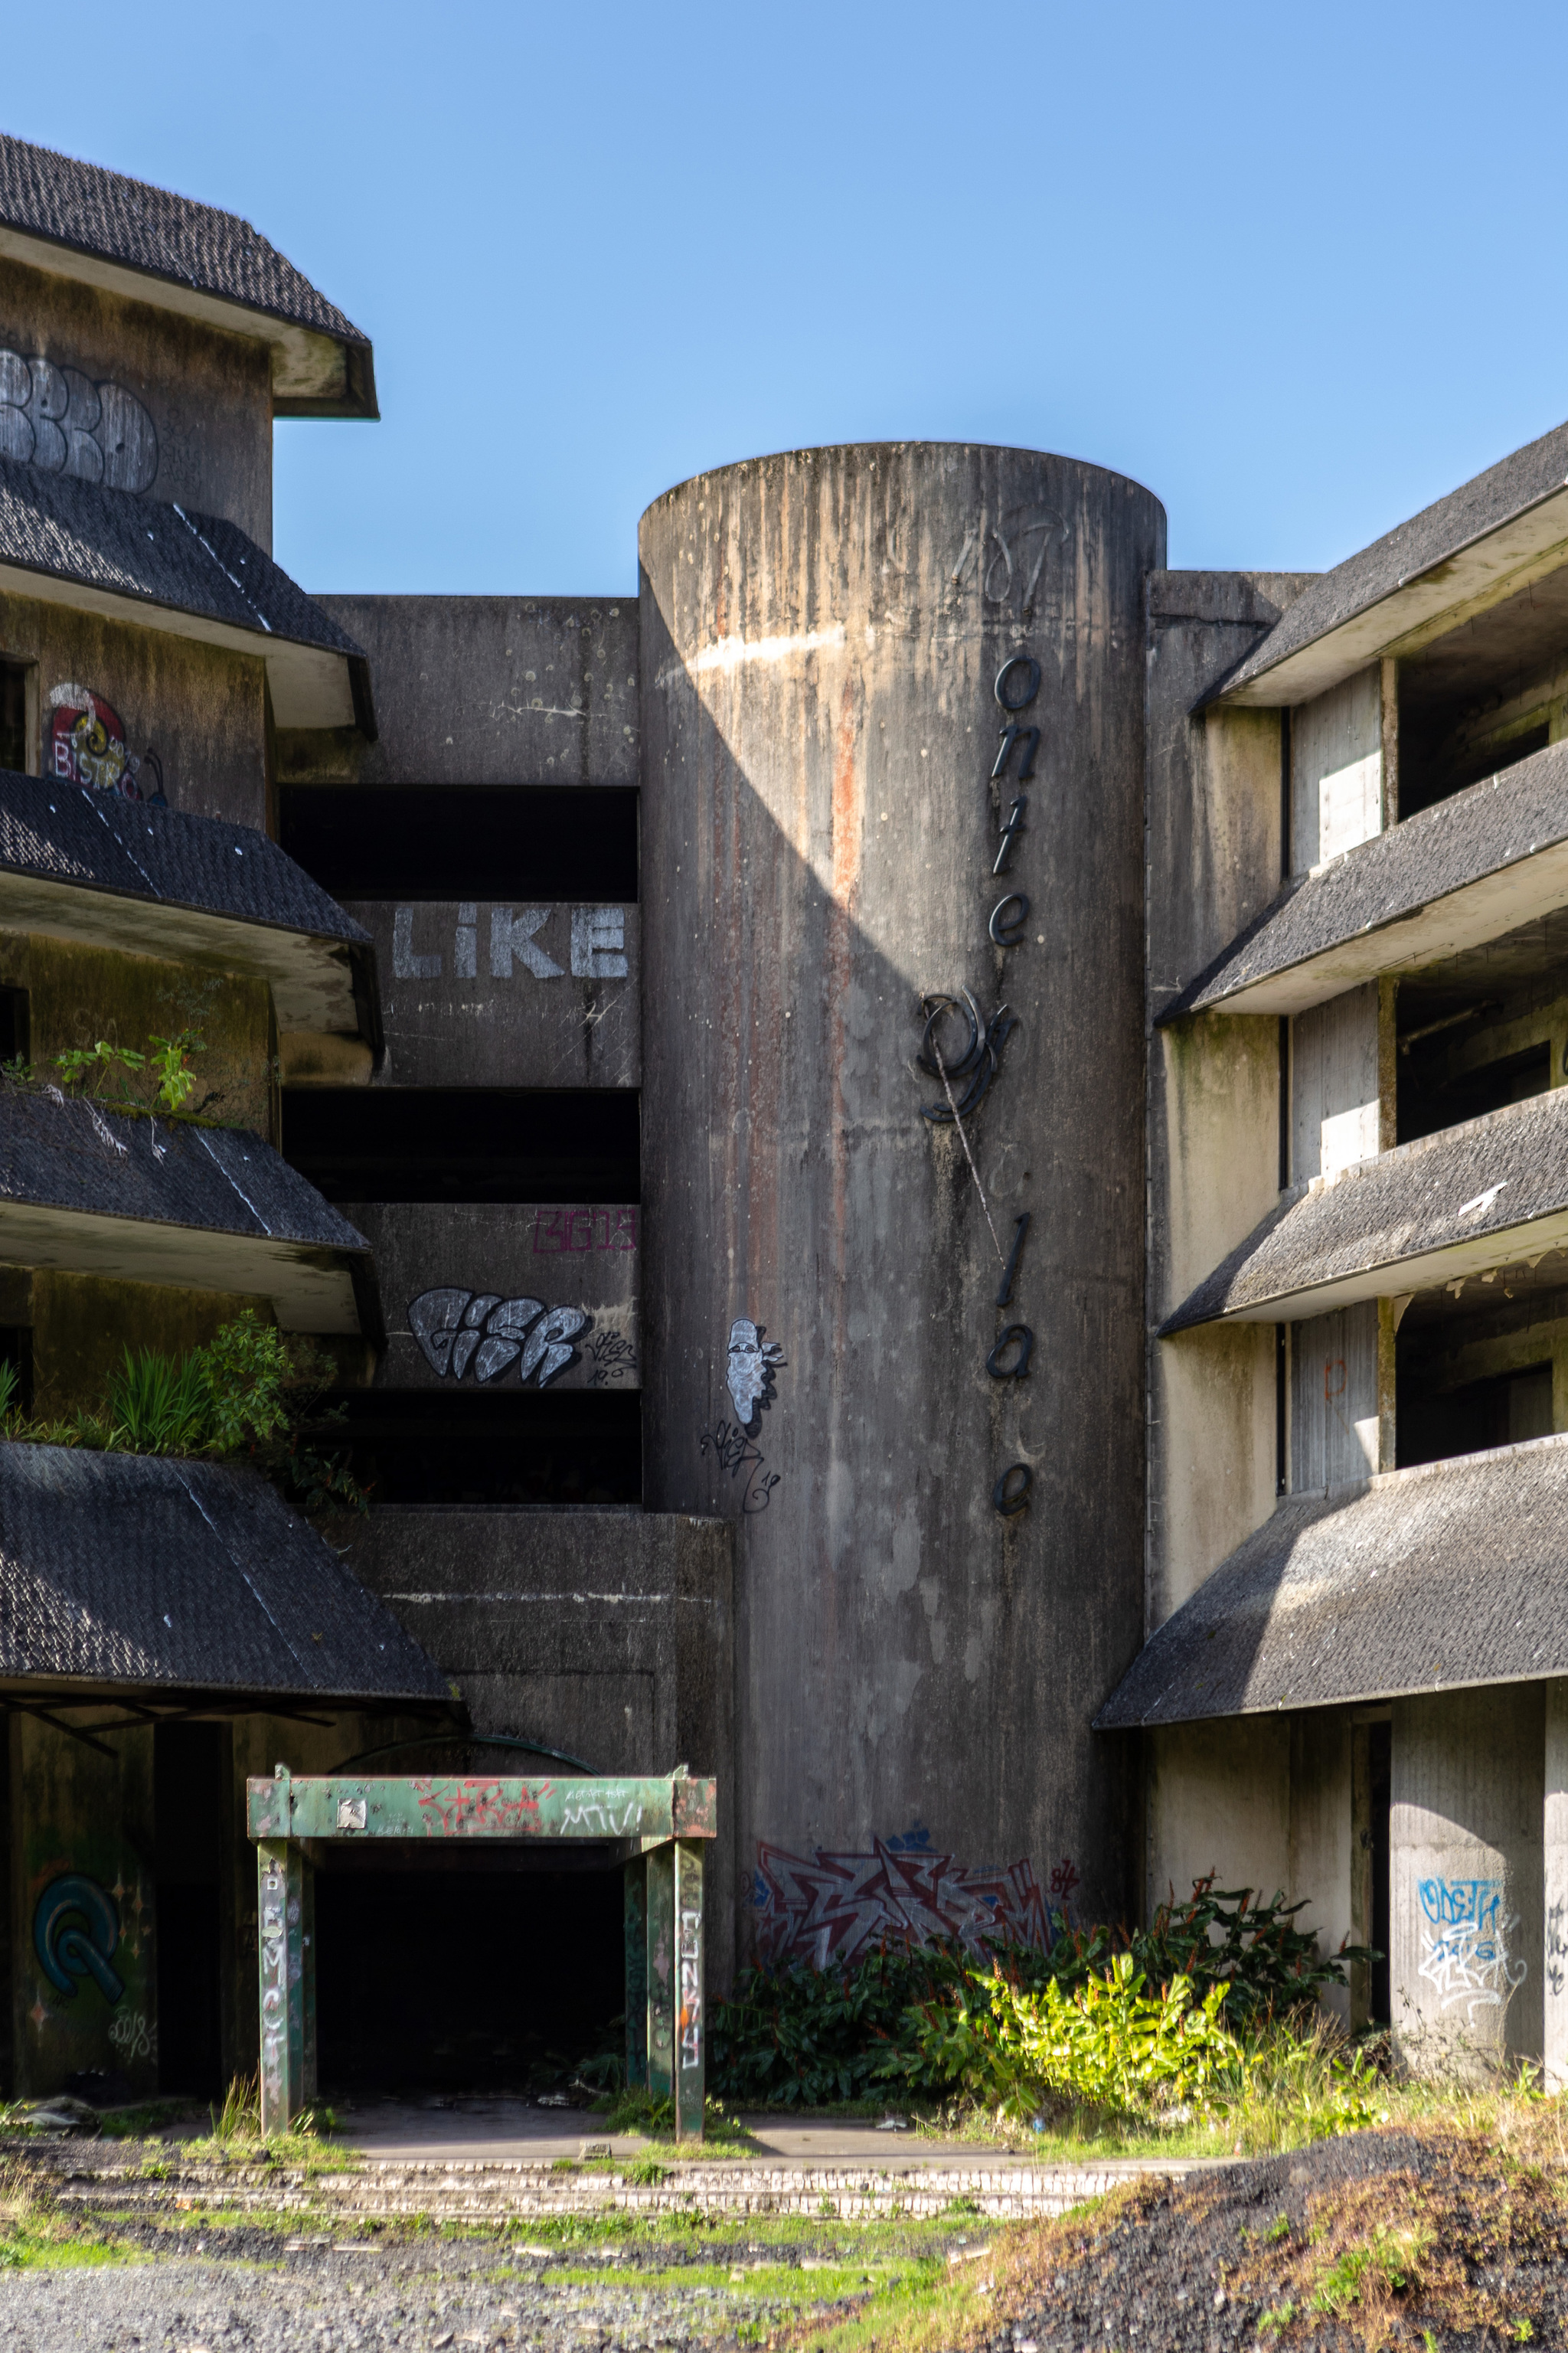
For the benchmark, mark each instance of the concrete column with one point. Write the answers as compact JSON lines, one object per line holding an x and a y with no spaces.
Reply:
{"x":1554,"y":1989}
{"x":1466,"y":1894}
{"x":1337,"y":763}
{"x":827,"y":769}
{"x":1335,"y":1397}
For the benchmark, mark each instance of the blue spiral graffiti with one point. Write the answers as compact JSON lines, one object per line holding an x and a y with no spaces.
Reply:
{"x":75,"y":1928}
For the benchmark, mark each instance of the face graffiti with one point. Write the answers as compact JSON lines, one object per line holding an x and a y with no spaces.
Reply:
{"x":749,"y":1376}
{"x":480,"y":1332}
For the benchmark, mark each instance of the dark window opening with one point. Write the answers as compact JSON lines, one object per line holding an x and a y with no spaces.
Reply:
{"x":1431,"y":775}
{"x":1504,"y":1410}
{"x":14,"y":716}
{"x":533,"y":841}
{"x":16,"y":1351}
{"x":465,"y":1143}
{"x":15,"y":1025}
{"x":1380,"y":1758}
{"x":1436,"y":1090}
{"x":525,"y":2002}
{"x":501,"y":1450}
{"x":188,"y":1783}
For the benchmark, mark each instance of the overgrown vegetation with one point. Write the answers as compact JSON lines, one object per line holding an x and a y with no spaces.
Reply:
{"x":125,"y":1079}
{"x":1188,"y":2014}
{"x":251,"y":1394}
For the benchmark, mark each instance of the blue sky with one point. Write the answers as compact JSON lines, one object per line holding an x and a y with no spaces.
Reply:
{"x":1298,"y":269}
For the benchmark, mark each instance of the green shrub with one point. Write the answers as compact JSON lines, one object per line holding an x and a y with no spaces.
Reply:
{"x":1107,"y":2045}
{"x":158,"y":1405}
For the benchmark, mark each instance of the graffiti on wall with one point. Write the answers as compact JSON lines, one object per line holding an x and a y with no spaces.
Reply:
{"x":825,"y":1907}
{"x":60,"y":421}
{"x":749,"y":1375}
{"x":87,"y":745}
{"x":735,"y":1453}
{"x":613,"y":1359}
{"x":1464,"y":1944}
{"x":76,"y":1934}
{"x":560,"y":1232}
{"x":596,"y":949}
{"x":478,"y":1332}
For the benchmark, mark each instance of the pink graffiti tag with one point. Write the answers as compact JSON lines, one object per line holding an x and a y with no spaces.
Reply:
{"x":831,"y":1907}
{"x":472,"y":1809}
{"x":561,"y":1230}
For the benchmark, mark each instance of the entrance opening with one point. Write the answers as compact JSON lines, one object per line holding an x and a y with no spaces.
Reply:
{"x":497,"y":1980}
{"x":14,"y":716}
{"x":1379,"y":1749}
{"x":404,"y":842}
{"x":187,"y":1798}
{"x":465,"y":1143}
{"x":529,"y":1450}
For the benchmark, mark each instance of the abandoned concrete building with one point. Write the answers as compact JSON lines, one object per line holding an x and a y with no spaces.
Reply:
{"x":924,"y":1155}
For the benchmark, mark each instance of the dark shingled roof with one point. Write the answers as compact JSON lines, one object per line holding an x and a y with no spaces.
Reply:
{"x":1392,"y":877}
{"x":126,"y":1569}
{"x":150,"y":229}
{"x":65,"y":833}
{"x":1432,"y":537}
{"x":132,"y":546}
{"x":1466,"y":1187}
{"x":1456,"y":1573}
{"x":56,"y":1154}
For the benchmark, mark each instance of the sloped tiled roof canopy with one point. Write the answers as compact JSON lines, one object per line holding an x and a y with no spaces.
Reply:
{"x":132,"y":559}
{"x":1454,"y":1573}
{"x":135,"y":1573}
{"x":1472,"y":1196}
{"x":83,"y":865}
{"x":1453,"y":877}
{"x":59,"y":214}
{"x":157,"y":1201}
{"x":1485,"y":540}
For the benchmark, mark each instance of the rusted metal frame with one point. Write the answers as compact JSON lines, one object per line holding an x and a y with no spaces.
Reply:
{"x":286,"y":1961}
{"x":663,"y":1912}
{"x":474,"y":1806}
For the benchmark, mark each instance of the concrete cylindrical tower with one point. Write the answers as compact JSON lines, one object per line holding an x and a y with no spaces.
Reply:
{"x":822,"y":637}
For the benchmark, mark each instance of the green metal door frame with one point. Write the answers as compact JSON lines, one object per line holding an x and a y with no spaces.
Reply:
{"x":659,"y":1825}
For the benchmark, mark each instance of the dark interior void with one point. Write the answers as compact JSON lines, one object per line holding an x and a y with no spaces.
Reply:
{"x":16,"y":1351}
{"x":1473,"y":1363}
{"x":188,"y":1800}
{"x":465,"y":1982}
{"x":1474,"y":701}
{"x":16,"y":1025}
{"x":14,"y":716}
{"x":1476,"y":1031}
{"x":531,"y":841}
{"x":465,"y":1143}
{"x":498,"y":1447}
{"x":1380,"y":1758}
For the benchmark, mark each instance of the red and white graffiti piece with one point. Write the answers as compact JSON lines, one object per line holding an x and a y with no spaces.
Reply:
{"x":689,"y":2022}
{"x":833,"y":1907}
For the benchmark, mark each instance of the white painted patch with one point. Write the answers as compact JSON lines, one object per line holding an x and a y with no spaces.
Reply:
{"x":1347,"y":1136}
{"x":1482,"y":1202}
{"x":1350,"y":806}
{"x":731,"y":654}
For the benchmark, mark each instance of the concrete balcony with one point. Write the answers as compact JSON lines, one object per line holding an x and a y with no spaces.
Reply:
{"x":480,"y":1296}
{"x":479,"y":995}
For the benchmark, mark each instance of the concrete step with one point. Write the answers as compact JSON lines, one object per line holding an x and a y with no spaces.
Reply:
{"x":500,"y":2191}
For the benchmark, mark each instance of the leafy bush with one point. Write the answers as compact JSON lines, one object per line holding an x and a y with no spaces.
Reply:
{"x":250,"y":1394}
{"x":801,"y":2036}
{"x":1108,"y":2044}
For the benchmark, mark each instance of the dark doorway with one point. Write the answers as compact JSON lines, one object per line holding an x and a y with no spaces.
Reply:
{"x":460,"y":1981}
{"x":1380,"y":1748}
{"x":188,"y":1762}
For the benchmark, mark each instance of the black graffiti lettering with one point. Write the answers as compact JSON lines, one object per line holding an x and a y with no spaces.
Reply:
{"x":1006,"y":930}
{"x":1004,"y":1288}
{"x":1010,"y":832}
{"x":1017,"y":1335}
{"x":1011,"y":1493}
{"x":1006,"y":682}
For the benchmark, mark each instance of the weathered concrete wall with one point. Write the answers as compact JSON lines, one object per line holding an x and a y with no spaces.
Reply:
{"x":1322,"y":1835}
{"x":567,"y":1255}
{"x":82,"y":1839}
{"x":1334,"y":1398}
{"x":608,"y":1635}
{"x":482,"y":995}
{"x":1218,"y":1804}
{"x":821,"y":635}
{"x":201,"y":707}
{"x":207,"y":393}
{"x":83,"y":1323}
{"x":486,"y":690}
{"x":1337,"y":770}
{"x":1335,"y":1102}
{"x":1465,"y":1875}
{"x":78,"y":996}
{"x":1213,"y":863}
